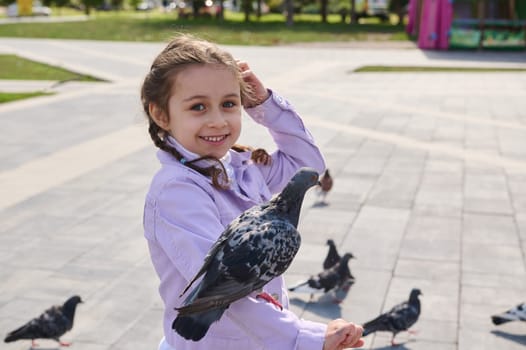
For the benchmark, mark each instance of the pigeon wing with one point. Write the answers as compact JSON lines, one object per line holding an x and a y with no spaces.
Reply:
{"x":332,"y":257}
{"x":240,"y":223}
{"x":248,"y":260}
{"x":403,"y":316}
{"x":380,"y":323}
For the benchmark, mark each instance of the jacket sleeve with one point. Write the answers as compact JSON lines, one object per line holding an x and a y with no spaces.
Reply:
{"x":273,"y":328}
{"x":295,"y":145}
{"x":186,"y":232}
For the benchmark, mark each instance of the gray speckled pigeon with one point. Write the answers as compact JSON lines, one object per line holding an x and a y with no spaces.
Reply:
{"x":517,"y":313}
{"x":400,"y":318}
{"x":51,"y":324}
{"x":256,"y":247}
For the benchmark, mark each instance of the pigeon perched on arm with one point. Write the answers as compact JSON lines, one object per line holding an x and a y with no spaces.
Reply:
{"x":332,"y":257}
{"x":400,"y":318}
{"x":329,"y":279}
{"x":517,"y":313}
{"x":256,"y":247}
{"x":51,"y":324}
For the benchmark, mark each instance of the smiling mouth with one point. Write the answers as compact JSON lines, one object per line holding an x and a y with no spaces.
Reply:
{"x":214,"y":138}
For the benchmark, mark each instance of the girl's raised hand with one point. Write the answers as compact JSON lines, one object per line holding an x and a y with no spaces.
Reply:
{"x":260,"y":92}
{"x":342,"y":335}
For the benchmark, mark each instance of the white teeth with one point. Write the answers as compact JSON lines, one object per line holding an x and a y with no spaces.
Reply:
{"x":214,"y":138}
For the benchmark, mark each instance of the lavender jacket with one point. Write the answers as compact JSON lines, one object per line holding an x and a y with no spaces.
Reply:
{"x":184,"y":215}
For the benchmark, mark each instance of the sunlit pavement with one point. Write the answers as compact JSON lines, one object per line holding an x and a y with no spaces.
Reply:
{"x":429,"y":171}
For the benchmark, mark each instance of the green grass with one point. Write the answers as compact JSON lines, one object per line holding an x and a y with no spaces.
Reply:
{"x":18,"y":68}
{"x":156,"y":26}
{"x":14,"y":67}
{"x":387,"y":69}
{"x":14,"y":96}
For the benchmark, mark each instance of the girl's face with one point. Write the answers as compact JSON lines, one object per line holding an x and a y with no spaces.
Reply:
{"x":205,"y":109}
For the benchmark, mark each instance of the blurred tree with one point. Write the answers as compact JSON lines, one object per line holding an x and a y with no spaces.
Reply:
{"x":221,"y":14}
{"x":398,"y":7}
{"x":259,"y":8}
{"x":134,"y":3}
{"x":196,"y":6}
{"x":117,"y":4}
{"x":323,"y":10}
{"x":90,"y":4}
{"x":289,"y":9}
{"x":275,"y":6}
{"x":354,"y":19}
{"x":246,"y":7}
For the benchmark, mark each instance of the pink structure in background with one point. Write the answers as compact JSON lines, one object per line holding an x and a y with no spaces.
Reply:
{"x":431,"y":20}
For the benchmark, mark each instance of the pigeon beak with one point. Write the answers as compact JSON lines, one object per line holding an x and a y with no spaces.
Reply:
{"x":318,"y":183}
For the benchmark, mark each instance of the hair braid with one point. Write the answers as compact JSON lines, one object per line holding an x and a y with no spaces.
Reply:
{"x":213,"y":172}
{"x":181,"y":52}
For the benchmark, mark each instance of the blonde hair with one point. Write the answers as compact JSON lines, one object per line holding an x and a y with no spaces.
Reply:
{"x":182,"y":51}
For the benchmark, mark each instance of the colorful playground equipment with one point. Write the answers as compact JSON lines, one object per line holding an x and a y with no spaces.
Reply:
{"x":468,"y":24}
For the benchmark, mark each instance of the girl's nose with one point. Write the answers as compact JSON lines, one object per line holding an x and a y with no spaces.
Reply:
{"x":217,"y":120}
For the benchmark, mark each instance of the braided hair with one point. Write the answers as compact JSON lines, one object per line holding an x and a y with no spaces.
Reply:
{"x":182,"y":51}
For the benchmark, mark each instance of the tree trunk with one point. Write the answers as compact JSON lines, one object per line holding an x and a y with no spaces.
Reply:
{"x":258,"y":9}
{"x":353,"y":12}
{"x":290,"y":12}
{"x":247,"y":8}
{"x":323,"y":11}
{"x":221,"y":14}
{"x":399,"y":11}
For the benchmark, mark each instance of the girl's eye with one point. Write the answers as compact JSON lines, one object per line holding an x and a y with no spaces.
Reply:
{"x":198,"y":107}
{"x":229,"y":104}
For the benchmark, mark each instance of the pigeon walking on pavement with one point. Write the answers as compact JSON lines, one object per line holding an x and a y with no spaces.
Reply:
{"x":326,"y":183}
{"x":517,"y":313}
{"x":256,"y":247}
{"x":51,"y":324}
{"x":400,"y":318}
{"x":332,"y":257}
{"x":329,"y":279}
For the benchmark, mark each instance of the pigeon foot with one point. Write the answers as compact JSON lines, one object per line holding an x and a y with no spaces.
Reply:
{"x":62,"y":343}
{"x":393,"y":343}
{"x":268,"y":298}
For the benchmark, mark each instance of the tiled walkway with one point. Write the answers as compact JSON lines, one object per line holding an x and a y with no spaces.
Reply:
{"x":430,"y":190}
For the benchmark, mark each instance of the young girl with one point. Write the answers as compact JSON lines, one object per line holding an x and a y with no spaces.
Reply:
{"x":193,"y":96}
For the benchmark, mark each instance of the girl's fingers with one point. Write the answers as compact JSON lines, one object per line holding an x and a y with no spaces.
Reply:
{"x":243,"y":66}
{"x":354,"y":333}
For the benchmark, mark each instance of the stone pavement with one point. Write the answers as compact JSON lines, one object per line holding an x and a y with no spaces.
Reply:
{"x":429,"y":191}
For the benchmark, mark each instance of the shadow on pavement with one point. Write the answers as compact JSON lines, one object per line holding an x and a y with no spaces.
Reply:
{"x":323,"y":309}
{"x":398,"y":346}
{"x":518,"y":338}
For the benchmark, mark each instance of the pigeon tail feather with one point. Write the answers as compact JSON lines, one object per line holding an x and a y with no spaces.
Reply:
{"x":498,"y":320}
{"x":195,"y":326}
{"x":292,"y":289}
{"x":17,"y":334}
{"x":373,"y":325}
{"x":307,"y":287}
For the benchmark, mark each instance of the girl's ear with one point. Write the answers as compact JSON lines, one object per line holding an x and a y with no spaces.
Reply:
{"x":159,"y":117}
